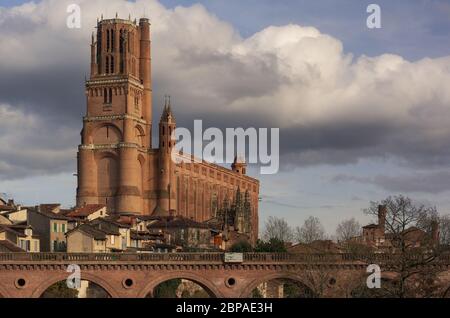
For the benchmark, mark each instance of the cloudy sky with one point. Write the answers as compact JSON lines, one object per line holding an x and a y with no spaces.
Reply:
{"x":362,"y":113}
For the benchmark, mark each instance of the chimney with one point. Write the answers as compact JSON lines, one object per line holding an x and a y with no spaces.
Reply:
{"x":435,"y":234}
{"x":382,"y":211}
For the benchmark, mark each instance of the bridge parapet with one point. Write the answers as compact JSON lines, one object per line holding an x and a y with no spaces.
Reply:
{"x":209,"y":258}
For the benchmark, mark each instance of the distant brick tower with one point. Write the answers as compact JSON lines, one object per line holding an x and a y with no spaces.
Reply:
{"x":116,"y":135}
{"x":167,"y":182}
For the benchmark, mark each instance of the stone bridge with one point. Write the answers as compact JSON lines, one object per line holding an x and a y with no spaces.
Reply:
{"x":137,"y":275}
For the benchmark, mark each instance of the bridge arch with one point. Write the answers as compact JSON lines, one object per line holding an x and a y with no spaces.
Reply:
{"x":247,"y":291}
{"x":39,"y":291}
{"x":207,"y":285}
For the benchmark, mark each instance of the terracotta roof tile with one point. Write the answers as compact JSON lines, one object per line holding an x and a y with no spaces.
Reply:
{"x":177,"y":222}
{"x":10,"y":246}
{"x":7,"y":228}
{"x":90,"y":230}
{"x":86,"y":210}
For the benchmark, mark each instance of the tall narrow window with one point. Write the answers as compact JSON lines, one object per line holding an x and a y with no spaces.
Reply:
{"x":128,"y":38}
{"x":112,"y":65}
{"x":107,"y":41}
{"x":107,"y":65}
{"x":112,"y":40}
{"x":121,"y":49}
{"x":121,"y":41}
{"x":99,"y":51}
{"x":110,"y":96}
{"x":105,"y":96}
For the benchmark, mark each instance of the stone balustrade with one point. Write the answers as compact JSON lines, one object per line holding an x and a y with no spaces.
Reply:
{"x":210,"y":258}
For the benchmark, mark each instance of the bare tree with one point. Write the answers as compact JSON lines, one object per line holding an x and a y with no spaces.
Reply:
{"x":277,"y":228}
{"x":407,"y":229}
{"x":348,"y":229}
{"x":311,"y":230}
{"x":445,"y":230}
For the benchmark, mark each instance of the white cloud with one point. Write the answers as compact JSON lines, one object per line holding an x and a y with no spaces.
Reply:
{"x":26,"y":149}
{"x":330,"y":106}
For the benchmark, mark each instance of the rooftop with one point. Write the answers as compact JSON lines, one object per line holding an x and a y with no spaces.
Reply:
{"x":85,"y":210}
{"x":10,"y":246}
{"x":177,"y":222}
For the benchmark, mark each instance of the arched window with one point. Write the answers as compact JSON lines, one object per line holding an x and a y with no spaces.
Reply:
{"x":110,"y":96}
{"x":163,"y":130}
{"x":105,"y":96}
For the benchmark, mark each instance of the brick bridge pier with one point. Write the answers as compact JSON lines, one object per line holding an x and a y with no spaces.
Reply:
{"x":136,"y":275}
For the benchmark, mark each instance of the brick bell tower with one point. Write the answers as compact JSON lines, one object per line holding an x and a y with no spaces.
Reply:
{"x":116,"y":135}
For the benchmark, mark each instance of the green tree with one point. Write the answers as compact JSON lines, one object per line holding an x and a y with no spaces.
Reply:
{"x":60,"y":290}
{"x":241,"y":247}
{"x":167,"y":289}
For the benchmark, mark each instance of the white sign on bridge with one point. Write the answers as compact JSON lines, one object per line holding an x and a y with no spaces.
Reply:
{"x":234,"y":258}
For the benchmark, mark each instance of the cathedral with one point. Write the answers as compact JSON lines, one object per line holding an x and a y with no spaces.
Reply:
{"x":117,"y":164}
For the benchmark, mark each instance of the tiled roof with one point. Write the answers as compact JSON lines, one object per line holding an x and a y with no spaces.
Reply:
{"x":370,"y":226}
{"x":86,"y":210}
{"x":177,"y":222}
{"x":116,"y":222}
{"x":52,"y":215}
{"x":147,"y":217}
{"x":48,"y":207}
{"x":7,"y":228}
{"x":64,"y":211}
{"x":90,"y":231}
{"x":143,"y":235}
{"x":10,"y":246}
{"x":7,"y":208}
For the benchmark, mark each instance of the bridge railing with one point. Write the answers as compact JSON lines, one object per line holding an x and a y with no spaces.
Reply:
{"x":209,"y":257}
